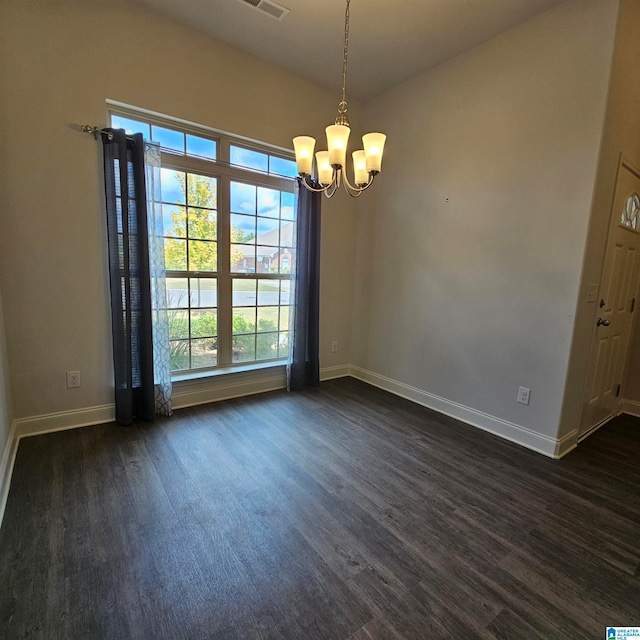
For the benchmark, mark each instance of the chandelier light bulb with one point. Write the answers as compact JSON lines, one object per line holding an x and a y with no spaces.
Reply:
{"x":360,"y":167}
{"x":373,"y":148}
{"x":304,"y":146}
{"x":337,"y":138}
{"x":325,"y":170}
{"x":331,"y":164}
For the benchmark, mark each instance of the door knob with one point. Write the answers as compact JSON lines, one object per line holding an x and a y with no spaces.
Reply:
{"x":604,"y":323}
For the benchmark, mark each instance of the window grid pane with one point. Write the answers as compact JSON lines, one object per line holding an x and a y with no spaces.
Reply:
{"x":193,"y":322}
{"x":250,"y":159}
{"x":204,"y":353}
{"x":168,"y":138}
{"x":244,"y":348}
{"x":202,"y":147}
{"x":130,"y":126}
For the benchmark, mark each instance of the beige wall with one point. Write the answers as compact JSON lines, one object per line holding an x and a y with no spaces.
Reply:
{"x":5,"y":395}
{"x":471,"y":243}
{"x":59,"y":62}
{"x":469,"y":247}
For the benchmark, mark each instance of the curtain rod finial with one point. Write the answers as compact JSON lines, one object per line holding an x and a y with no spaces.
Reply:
{"x":88,"y":128}
{"x":96,"y":131}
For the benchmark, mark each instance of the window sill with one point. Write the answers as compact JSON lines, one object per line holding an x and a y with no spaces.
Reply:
{"x":231,"y":370}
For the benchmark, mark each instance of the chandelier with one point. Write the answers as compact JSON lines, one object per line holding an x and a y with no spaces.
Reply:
{"x":331,"y":164}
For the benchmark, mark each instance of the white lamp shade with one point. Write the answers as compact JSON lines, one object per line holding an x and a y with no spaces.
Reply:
{"x":325,"y":170}
{"x":337,"y":138}
{"x":373,"y":148}
{"x":303,"y":146}
{"x":360,"y":167}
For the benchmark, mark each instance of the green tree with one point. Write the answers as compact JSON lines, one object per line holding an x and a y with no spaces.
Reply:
{"x":201,"y":195}
{"x":238,"y":235}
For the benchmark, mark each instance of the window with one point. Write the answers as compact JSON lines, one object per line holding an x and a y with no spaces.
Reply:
{"x":228,"y":212}
{"x":629,"y":216}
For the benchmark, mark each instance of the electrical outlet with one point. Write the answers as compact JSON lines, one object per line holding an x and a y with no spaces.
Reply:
{"x":334,"y":346}
{"x":73,"y":379}
{"x":523,"y":395}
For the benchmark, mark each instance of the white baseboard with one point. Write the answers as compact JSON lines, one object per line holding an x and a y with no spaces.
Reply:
{"x":6,"y":467}
{"x":566,"y":443}
{"x":330,"y":373}
{"x":196,"y":392}
{"x":184,"y":395}
{"x":63,"y":420}
{"x":550,"y":447}
{"x":632,"y":407}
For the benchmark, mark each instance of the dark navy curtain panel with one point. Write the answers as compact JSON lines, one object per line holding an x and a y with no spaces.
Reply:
{"x":304,"y":368}
{"x":124,"y":174}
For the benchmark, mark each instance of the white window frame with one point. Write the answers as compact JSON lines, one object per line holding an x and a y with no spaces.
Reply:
{"x":224,"y":172}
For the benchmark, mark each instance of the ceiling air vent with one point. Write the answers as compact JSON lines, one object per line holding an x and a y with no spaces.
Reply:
{"x":269,"y":7}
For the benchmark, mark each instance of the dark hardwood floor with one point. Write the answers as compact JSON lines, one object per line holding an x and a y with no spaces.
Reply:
{"x":342,"y":512}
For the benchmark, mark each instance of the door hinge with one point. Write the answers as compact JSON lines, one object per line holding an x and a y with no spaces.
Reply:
{"x":633,"y":305}
{"x":618,"y":391}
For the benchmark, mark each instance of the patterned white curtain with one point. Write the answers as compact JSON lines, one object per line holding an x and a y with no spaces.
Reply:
{"x":159,"y":317}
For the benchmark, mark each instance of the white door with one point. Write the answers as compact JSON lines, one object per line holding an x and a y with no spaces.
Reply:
{"x":616,"y":302}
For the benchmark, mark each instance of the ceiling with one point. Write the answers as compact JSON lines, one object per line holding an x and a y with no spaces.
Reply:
{"x":389,"y":41}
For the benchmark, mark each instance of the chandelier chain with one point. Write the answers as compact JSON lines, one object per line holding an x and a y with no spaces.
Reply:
{"x":331,"y":165}
{"x":342,"y":107}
